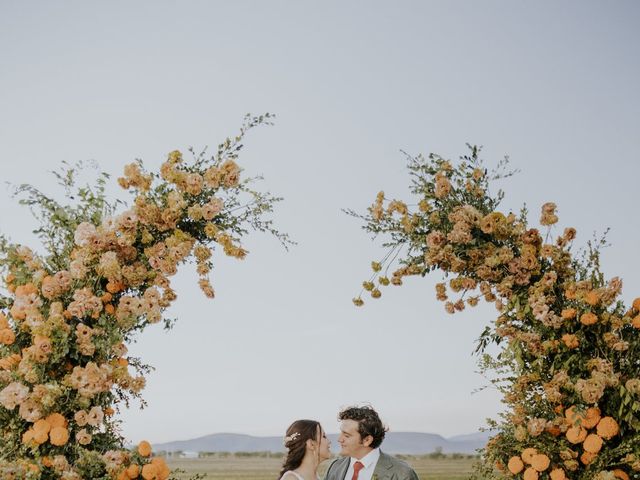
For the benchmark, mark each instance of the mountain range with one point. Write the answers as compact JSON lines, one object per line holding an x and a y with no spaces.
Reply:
{"x":407,"y":443}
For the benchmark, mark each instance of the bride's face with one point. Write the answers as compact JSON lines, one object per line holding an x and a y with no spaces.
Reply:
{"x":324,"y":452}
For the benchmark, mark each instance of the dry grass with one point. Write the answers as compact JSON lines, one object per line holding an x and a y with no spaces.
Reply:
{"x":252,"y":468}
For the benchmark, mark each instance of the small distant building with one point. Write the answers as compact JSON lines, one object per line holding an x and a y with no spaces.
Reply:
{"x":189,"y":454}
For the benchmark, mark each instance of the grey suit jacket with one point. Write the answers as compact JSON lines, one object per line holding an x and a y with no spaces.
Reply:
{"x":387,"y":468}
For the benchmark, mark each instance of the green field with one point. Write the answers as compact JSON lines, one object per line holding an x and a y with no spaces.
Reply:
{"x":256,"y":468}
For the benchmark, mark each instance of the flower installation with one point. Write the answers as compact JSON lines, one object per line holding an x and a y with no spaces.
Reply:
{"x":568,"y":364}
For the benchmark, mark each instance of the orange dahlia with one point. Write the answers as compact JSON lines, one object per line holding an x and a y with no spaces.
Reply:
{"x":588,"y":318}
{"x":59,"y":436}
{"x":557,"y":474}
{"x":515,"y":465}
{"x":531,"y":474}
{"x":527,"y":455}
{"x":540,"y":462}
{"x":592,"y":444}
{"x":144,"y":448}
{"x":576,"y":434}
{"x":607,"y":428}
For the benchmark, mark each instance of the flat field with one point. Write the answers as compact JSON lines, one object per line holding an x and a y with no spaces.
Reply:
{"x":264,"y":468}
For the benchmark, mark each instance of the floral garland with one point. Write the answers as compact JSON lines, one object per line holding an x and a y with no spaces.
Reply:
{"x":68,"y":315}
{"x":567,"y":368}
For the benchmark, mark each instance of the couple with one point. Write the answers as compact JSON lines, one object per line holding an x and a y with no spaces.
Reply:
{"x":361,"y":433}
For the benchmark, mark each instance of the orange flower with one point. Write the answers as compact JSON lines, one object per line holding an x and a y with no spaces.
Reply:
{"x":59,"y":436}
{"x":527,"y":455}
{"x":592,"y":444}
{"x":557,"y":474}
{"x":27,"y":436}
{"x":515,"y":465}
{"x":587,"y":457}
{"x":7,"y":337}
{"x":109,"y":309}
{"x":540,"y":462}
{"x":592,"y":298}
{"x":57,"y":420}
{"x":42,"y":426}
{"x":144,"y":448}
{"x":621,"y":473}
{"x":115,"y":286}
{"x":553,"y":430}
{"x":163,"y":469}
{"x":586,"y":419}
{"x":26,"y":289}
{"x":531,"y":474}
{"x":636,"y":304}
{"x":568,"y":313}
{"x":576,"y":434}
{"x":133,"y":471}
{"x":607,"y":428}
{"x":40,"y":436}
{"x":588,"y":318}
{"x":47,"y":462}
{"x":636,"y":321}
{"x":591,"y":418}
{"x":572,"y":415}
{"x":571,"y":341}
{"x":150,"y":472}
{"x":106,"y":298}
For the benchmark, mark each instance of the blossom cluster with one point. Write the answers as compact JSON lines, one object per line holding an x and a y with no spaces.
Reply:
{"x":565,"y":368}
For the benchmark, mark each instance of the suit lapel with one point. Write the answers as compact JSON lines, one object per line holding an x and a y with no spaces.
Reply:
{"x":383,"y":469}
{"x":342,"y":471}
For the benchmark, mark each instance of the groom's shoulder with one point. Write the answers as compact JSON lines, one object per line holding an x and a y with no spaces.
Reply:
{"x":336,"y":463}
{"x":398,"y":464}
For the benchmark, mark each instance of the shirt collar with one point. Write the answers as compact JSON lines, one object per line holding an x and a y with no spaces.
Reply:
{"x":369,"y":459}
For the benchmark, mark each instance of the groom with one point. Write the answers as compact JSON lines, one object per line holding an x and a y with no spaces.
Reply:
{"x":361,"y":433}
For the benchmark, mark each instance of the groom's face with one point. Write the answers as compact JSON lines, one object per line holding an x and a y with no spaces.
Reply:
{"x":351,"y":443}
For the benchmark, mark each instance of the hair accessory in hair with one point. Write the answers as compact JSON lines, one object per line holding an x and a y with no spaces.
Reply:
{"x":291,"y":437}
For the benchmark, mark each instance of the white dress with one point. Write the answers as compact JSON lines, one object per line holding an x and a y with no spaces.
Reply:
{"x":294,"y":474}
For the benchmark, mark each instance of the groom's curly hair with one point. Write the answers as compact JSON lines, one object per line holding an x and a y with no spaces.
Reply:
{"x":369,"y":423}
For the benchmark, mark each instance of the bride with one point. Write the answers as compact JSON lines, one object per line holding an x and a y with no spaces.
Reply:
{"x":307,"y":446}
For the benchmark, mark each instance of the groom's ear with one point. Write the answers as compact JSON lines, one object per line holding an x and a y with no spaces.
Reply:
{"x":368,"y":440}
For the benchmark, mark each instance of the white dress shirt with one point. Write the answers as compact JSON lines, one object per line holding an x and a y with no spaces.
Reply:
{"x":369,"y":461}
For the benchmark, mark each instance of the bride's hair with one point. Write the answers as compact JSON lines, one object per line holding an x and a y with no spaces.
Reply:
{"x":295,"y":442}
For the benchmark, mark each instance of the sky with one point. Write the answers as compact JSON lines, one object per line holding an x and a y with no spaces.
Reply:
{"x":553,"y":85}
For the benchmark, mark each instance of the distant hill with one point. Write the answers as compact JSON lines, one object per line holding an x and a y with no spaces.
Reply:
{"x":408,"y":443}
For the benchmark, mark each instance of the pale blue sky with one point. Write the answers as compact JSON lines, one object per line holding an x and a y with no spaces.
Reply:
{"x":552,"y":84}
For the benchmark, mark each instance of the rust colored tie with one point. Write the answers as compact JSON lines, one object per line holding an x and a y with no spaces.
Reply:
{"x":356,"y":470}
